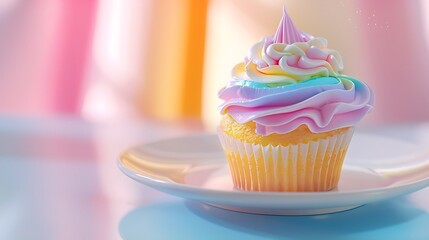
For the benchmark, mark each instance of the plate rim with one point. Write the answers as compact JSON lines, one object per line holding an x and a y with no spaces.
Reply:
{"x":148,"y":180}
{"x":264,"y":201}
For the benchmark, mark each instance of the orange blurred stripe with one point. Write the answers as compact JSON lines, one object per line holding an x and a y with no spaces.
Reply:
{"x":195,"y":44}
{"x":172,"y":77}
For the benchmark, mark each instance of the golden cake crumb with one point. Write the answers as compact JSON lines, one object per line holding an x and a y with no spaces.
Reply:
{"x":246,"y":133}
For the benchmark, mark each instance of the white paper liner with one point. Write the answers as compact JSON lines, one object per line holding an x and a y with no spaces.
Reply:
{"x":312,"y":166}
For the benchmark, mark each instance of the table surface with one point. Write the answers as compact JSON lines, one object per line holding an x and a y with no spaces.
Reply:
{"x":59,"y":180}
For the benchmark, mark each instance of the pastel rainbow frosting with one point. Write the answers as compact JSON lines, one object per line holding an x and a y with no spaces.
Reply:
{"x":291,"y":79}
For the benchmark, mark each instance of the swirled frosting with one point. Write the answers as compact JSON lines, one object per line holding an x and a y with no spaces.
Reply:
{"x":291,"y":79}
{"x":271,"y":62}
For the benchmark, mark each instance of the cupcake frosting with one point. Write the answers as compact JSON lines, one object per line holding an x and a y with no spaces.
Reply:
{"x":293,"y":78}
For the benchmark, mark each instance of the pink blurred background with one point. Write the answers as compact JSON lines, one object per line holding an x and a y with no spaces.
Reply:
{"x":152,"y":61}
{"x":165,"y":60}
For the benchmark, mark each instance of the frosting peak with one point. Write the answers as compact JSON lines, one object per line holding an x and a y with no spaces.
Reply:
{"x":290,"y":56}
{"x":287,"y":32}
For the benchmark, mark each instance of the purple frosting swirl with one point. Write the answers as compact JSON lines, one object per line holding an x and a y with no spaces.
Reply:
{"x":323,"y":104}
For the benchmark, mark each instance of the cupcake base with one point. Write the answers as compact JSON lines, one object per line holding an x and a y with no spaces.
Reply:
{"x":309,"y":166}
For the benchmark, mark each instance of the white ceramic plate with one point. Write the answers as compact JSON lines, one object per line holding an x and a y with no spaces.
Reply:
{"x":193,"y":167}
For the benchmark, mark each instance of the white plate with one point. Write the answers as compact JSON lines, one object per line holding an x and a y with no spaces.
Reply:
{"x":193,"y":167}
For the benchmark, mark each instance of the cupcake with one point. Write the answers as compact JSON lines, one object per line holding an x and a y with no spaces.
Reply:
{"x":289,"y":114}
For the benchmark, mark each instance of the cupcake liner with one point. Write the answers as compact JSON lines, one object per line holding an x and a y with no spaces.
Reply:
{"x":311,"y":166}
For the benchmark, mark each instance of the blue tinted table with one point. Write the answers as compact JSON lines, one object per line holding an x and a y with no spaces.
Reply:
{"x":59,"y":180}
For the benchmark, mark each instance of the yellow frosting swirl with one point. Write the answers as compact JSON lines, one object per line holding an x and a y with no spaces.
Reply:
{"x":281,"y":63}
